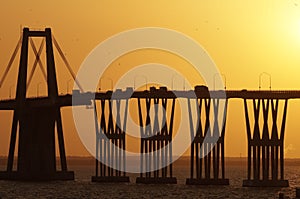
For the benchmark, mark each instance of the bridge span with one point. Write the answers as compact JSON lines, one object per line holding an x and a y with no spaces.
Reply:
{"x":85,"y":98}
{"x":35,"y":120}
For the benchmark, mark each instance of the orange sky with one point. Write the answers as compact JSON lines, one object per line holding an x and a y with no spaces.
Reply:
{"x":245,"y":38}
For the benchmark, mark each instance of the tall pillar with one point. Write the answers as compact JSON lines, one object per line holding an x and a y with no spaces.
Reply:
{"x":265,"y":146}
{"x":36,"y":145}
{"x":156,"y":138}
{"x":207,"y":163}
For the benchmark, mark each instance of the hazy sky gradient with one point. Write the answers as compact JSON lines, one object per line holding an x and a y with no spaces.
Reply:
{"x":245,"y":38}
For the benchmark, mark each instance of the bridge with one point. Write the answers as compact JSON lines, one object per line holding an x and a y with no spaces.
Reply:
{"x":35,"y":119}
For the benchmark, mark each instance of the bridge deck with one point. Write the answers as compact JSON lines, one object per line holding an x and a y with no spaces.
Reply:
{"x":85,"y":98}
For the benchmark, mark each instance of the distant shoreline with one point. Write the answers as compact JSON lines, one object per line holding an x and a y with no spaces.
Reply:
{"x":184,"y":160}
{"x":182,"y":157}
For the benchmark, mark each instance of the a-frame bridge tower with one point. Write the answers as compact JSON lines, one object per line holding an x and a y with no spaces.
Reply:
{"x":35,"y":122}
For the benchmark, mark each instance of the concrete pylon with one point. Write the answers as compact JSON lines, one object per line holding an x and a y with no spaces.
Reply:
{"x":36,"y":158}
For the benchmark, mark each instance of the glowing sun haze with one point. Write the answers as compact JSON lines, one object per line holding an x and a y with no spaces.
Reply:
{"x":244,"y":38}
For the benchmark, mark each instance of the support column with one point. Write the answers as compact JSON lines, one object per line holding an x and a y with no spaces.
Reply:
{"x":156,"y":138}
{"x":207,"y":163}
{"x":110,"y":140}
{"x":265,"y":147}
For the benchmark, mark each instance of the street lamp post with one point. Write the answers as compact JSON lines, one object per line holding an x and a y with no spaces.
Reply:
{"x":270,"y":79}
{"x":10,"y":91}
{"x":183,"y":82}
{"x":222,"y":75}
{"x":172,"y":84}
{"x":140,"y":76}
{"x":111,"y":82}
{"x":38,"y":89}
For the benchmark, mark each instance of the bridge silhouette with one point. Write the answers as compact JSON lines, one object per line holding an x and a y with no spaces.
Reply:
{"x":35,"y":120}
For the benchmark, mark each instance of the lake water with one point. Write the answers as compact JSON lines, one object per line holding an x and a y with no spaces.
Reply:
{"x":82,"y":187}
